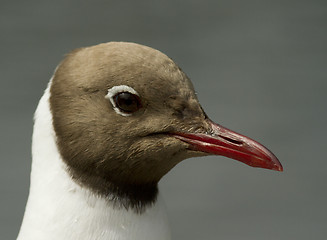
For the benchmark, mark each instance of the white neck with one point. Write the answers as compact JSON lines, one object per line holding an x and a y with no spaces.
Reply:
{"x":58,"y":208}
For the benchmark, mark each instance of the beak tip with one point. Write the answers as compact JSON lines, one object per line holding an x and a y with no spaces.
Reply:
{"x":277,"y":167}
{"x":280,"y":168}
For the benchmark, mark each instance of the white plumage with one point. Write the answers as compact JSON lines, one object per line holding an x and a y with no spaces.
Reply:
{"x":59,"y":209}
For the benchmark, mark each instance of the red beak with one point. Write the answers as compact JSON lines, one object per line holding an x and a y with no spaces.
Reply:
{"x":222,"y":141}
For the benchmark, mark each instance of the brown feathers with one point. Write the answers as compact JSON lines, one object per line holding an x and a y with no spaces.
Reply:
{"x":117,"y":156}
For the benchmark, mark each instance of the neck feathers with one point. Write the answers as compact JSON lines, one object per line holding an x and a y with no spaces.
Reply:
{"x":58,"y":208}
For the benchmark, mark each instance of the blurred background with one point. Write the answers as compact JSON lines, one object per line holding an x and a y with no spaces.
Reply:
{"x":259,"y":67}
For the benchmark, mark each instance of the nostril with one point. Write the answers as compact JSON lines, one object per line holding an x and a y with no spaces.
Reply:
{"x":237,"y":142}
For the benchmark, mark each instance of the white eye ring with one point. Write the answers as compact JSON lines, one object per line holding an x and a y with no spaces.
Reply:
{"x":114,"y":91}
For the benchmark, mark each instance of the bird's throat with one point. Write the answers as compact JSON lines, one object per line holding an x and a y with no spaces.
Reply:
{"x":59,"y":207}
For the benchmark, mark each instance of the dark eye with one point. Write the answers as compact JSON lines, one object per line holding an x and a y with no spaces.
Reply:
{"x":127,"y":102}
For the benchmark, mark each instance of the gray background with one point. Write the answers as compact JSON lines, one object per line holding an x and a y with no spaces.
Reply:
{"x":259,"y":68}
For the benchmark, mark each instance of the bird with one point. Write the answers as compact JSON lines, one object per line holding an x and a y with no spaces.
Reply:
{"x":113,"y":120}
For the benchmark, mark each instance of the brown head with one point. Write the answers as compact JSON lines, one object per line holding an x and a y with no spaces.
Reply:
{"x":125,"y":114}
